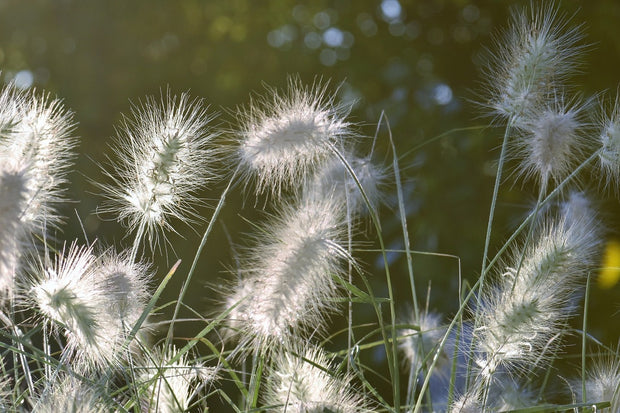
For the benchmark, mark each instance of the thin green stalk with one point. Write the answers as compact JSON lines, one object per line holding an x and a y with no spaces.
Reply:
{"x":257,"y":371}
{"x":390,"y":352}
{"x":583,"y":340}
{"x":22,"y":353}
{"x":203,"y":241}
{"x":487,"y":240}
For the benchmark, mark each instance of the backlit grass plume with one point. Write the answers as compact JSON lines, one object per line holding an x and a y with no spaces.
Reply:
{"x":172,"y":385}
{"x":602,"y":383}
{"x":164,"y":153}
{"x":288,"y":281}
{"x":36,"y":136}
{"x":286,"y":135}
{"x":35,"y":153}
{"x":12,"y":232}
{"x":609,"y":141}
{"x":535,"y":56}
{"x":334,"y":180}
{"x":70,"y":394}
{"x":523,"y":316}
{"x":550,"y":142}
{"x":307,"y":383}
{"x":94,"y":301}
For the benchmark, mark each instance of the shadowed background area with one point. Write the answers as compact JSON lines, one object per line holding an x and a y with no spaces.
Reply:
{"x":418,"y":62}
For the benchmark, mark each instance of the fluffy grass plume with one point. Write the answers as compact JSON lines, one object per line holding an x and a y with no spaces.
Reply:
{"x":334,"y":180}
{"x":538,"y":52}
{"x":288,"y":283}
{"x":164,"y":157}
{"x":36,"y":135}
{"x":527,"y":309}
{"x":307,"y":383}
{"x":94,"y":301}
{"x":172,"y":384}
{"x":551,"y":142}
{"x":286,"y":135}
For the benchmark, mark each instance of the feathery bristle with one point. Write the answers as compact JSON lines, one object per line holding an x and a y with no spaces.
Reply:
{"x":537,"y":53}
{"x":305,"y":383}
{"x":288,"y":283}
{"x":286,"y":136}
{"x":164,"y":159}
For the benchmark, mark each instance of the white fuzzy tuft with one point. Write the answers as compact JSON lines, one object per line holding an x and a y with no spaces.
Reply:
{"x":288,"y":283}
{"x":171,"y":384}
{"x":537,"y":53}
{"x":96,"y":301}
{"x":164,"y":158}
{"x":286,"y":136}
{"x":70,"y":394}
{"x":523,"y":317}
{"x":550,"y":142}
{"x":334,"y":180}
{"x":35,"y":133}
{"x":306,"y":383}
{"x":13,"y":195}
{"x":602,"y":383}
{"x":609,"y":141}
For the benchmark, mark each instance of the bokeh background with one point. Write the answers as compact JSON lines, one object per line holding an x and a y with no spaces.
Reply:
{"x":417,"y":61}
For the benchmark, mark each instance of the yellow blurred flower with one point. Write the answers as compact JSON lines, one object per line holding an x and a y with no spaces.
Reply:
{"x":610,"y":273}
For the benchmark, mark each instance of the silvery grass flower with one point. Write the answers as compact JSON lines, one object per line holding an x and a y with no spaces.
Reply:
{"x":419,"y":343}
{"x":171,"y":385}
{"x":35,"y":153}
{"x":609,"y":141}
{"x":13,"y":193}
{"x":68,"y":394}
{"x":286,"y":135}
{"x":533,"y":58}
{"x":334,"y":179}
{"x":164,"y":158}
{"x":306,"y":382}
{"x":602,"y":383}
{"x":288,"y":281}
{"x":94,"y":301}
{"x":550,"y":142}
{"x":36,"y":135}
{"x":523,"y":316}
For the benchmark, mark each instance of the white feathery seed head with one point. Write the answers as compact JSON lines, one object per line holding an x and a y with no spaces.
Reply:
{"x":95,"y":301}
{"x":164,"y":157}
{"x":538,"y":52}
{"x":288,"y":281}
{"x":285,"y":136}
{"x":62,"y":292}
{"x":35,"y":132}
{"x":126,"y":287}
{"x":13,"y":195}
{"x":305,"y":383}
{"x":602,"y":382}
{"x":421,"y":342}
{"x":466,"y":404}
{"x":334,"y":180}
{"x":171,"y":384}
{"x":70,"y":395}
{"x":550,"y":142}
{"x":609,"y":141}
{"x":523,"y":316}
